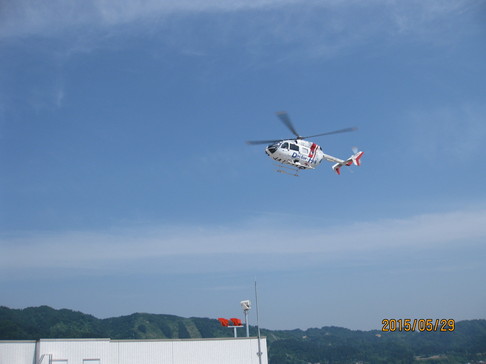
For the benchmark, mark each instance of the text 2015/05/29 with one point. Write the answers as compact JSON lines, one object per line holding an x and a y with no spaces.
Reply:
{"x":442,"y":325}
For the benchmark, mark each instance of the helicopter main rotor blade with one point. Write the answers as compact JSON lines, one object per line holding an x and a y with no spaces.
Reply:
{"x":257,"y":142}
{"x":284,"y":117}
{"x":331,"y":132}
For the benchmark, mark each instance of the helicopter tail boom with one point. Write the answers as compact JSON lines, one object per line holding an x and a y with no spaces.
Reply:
{"x":354,"y":159}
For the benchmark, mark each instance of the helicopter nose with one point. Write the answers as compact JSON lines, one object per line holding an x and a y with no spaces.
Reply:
{"x":270,"y":149}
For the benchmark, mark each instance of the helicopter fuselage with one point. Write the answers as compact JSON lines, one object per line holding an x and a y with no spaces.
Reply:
{"x":302,"y":154}
{"x":298,"y":153}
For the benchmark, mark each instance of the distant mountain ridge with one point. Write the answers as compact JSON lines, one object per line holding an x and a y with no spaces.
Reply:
{"x":317,"y":345}
{"x":44,"y":322}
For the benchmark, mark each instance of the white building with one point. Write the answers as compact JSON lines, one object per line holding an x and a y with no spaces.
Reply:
{"x":106,"y":351}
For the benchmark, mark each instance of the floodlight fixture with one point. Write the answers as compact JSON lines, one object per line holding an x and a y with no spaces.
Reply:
{"x":245,"y":305}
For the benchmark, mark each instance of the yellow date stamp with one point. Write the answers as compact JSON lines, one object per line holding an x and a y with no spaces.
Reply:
{"x":440,"y":325}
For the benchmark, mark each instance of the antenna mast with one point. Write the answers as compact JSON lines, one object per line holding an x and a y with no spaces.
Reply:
{"x":258,"y":326}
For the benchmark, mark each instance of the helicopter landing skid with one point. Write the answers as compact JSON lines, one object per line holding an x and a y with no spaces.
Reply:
{"x":291,"y":171}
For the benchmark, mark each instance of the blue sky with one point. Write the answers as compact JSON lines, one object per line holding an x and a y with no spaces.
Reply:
{"x":127,"y":186}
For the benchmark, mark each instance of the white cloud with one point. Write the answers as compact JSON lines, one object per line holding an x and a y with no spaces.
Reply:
{"x":269,"y":243}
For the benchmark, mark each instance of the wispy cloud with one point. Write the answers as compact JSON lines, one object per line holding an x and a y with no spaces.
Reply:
{"x":27,"y":17}
{"x":339,"y":23}
{"x":452,"y":132}
{"x":223,"y":248}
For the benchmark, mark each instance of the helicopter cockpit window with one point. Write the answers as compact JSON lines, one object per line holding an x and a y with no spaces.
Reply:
{"x":294,"y":147}
{"x":285,"y":146}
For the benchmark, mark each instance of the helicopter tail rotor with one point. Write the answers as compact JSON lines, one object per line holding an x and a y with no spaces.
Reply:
{"x":356,"y":158}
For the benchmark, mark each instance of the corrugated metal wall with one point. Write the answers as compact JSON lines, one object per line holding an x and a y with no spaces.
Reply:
{"x":17,"y":352}
{"x":106,"y":351}
{"x":75,"y":351}
{"x":150,"y":352}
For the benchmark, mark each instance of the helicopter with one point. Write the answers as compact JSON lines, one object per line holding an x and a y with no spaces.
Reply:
{"x":297,"y":154}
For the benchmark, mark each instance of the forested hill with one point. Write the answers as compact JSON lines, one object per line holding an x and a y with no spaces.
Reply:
{"x":45,"y":322}
{"x":325,"y":345}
